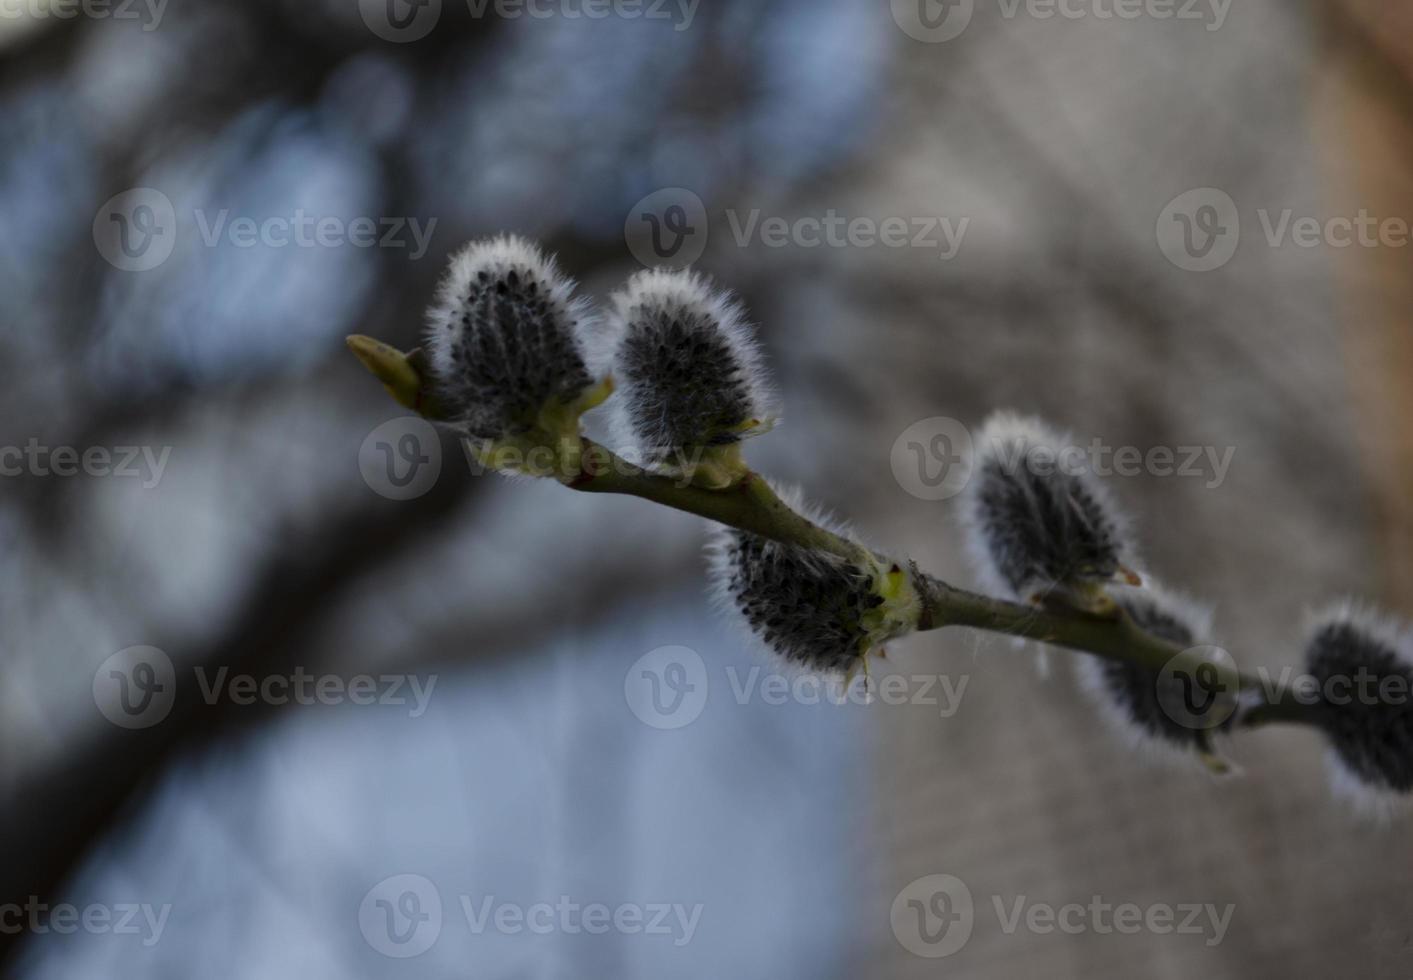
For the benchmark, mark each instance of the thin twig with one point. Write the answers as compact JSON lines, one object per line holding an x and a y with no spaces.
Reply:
{"x":751,"y":505}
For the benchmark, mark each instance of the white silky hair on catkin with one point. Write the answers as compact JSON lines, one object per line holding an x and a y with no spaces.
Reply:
{"x":1023,"y":541}
{"x":688,"y":367}
{"x":773,"y":592}
{"x":505,"y":336}
{"x":1007,"y":438}
{"x":1109,"y":686}
{"x":1370,"y":756}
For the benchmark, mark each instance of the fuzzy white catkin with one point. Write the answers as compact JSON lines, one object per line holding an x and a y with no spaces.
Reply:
{"x":1142,"y":705}
{"x":1361,"y":666}
{"x":504,"y":338}
{"x":804,"y":606}
{"x":688,"y":369}
{"x":1034,"y":520}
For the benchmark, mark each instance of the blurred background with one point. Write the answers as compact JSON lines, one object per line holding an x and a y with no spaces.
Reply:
{"x":287,"y":690}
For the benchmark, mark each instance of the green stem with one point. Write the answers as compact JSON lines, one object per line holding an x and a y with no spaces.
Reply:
{"x":751,"y":505}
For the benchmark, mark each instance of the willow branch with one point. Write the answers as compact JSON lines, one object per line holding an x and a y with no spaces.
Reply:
{"x":751,"y":505}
